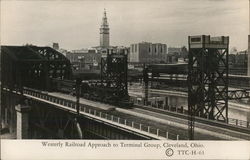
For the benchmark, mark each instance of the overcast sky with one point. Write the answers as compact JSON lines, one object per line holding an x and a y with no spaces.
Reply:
{"x":75,"y":24}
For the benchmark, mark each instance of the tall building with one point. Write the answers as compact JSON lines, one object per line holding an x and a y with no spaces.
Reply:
{"x":104,"y":32}
{"x":146,"y":52}
{"x":84,"y":59}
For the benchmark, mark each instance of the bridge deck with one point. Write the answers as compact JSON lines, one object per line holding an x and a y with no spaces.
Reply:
{"x":164,"y":122}
{"x":147,"y":123}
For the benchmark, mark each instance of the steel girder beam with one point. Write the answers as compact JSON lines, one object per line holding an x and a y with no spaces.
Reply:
{"x":49,"y":122}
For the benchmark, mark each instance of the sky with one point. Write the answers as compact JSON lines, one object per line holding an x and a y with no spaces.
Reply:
{"x":75,"y":24}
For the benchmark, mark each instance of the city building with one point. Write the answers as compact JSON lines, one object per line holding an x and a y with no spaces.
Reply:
{"x":237,"y":63}
{"x":84,"y":59}
{"x":241,"y":59}
{"x":174,"y":50}
{"x":177,"y":55}
{"x":181,"y":52}
{"x":231,"y":60}
{"x":146,"y":52}
{"x":121,"y":50}
{"x":104,"y":36}
{"x":55,"y":46}
{"x":104,"y":32}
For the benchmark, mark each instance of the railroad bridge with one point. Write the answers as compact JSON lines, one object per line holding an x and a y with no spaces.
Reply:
{"x":31,"y":110}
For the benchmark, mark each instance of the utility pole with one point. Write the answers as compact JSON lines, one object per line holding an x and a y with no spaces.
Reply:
{"x":78,"y":93}
{"x":145,"y":81}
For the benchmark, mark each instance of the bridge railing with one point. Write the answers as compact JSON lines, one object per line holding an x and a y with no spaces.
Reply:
{"x":238,"y":122}
{"x":103,"y":115}
{"x":131,"y":124}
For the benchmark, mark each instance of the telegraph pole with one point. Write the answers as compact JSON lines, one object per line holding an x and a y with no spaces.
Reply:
{"x":145,"y":80}
{"x":78,"y":93}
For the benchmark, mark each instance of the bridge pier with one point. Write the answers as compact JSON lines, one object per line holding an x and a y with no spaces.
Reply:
{"x":8,"y":116}
{"x":4,"y":118}
{"x":12,"y":115}
{"x":22,"y":121}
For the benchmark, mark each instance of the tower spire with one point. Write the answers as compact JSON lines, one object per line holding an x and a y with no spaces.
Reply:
{"x":104,"y":19}
{"x":104,"y":31}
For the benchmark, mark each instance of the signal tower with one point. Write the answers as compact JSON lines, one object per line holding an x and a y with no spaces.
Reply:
{"x":207,"y":79}
{"x":114,"y":68}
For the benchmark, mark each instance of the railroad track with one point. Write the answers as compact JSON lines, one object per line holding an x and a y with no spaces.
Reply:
{"x":237,"y":131}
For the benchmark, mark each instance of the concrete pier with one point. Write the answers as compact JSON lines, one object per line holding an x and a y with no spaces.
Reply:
{"x":22,"y":121}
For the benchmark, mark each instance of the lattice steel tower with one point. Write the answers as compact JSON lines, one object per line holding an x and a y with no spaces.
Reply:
{"x":114,"y":70}
{"x":207,"y":79}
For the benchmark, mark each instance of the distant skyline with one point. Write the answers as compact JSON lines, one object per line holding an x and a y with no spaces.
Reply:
{"x":75,"y":24}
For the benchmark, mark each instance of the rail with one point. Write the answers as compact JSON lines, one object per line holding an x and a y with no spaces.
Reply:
{"x":181,"y":110}
{"x":125,"y":123}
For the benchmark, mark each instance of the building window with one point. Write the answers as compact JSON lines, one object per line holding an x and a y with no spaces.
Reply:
{"x":161,"y":49}
{"x":155,"y":49}
{"x":149,"y":50}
